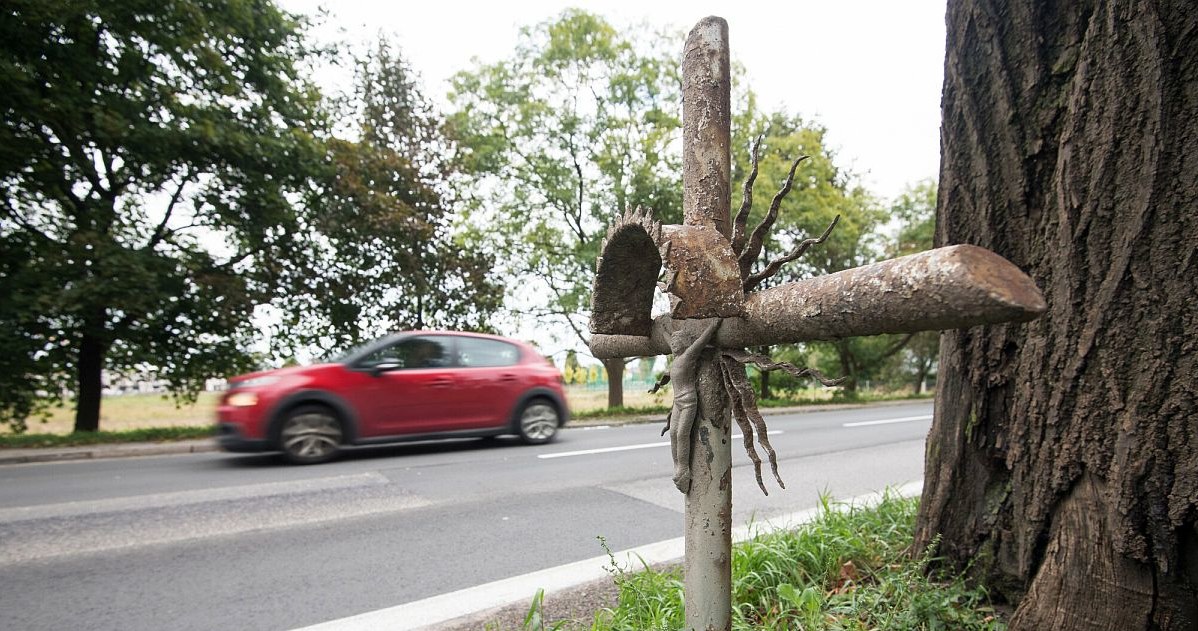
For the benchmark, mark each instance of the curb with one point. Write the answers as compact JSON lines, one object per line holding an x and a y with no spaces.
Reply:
{"x":132,"y":450}
{"x":96,"y":452}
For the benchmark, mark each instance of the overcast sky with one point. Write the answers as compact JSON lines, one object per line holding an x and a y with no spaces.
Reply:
{"x":869,"y":70}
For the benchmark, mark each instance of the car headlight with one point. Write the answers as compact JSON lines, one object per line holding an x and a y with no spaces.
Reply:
{"x":243,"y":399}
{"x":256,"y":382}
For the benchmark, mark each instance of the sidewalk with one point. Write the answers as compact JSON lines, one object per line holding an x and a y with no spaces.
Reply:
{"x":127,"y":450}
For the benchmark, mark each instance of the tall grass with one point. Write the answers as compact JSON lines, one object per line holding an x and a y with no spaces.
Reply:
{"x":848,"y":570}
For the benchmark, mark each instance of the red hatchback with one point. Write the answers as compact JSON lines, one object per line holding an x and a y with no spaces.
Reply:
{"x":408,"y":386}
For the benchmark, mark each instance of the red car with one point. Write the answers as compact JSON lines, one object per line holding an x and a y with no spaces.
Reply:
{"x":408,"y":386}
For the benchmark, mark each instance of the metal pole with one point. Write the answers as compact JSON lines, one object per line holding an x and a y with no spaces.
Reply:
{"x":706,"y":198}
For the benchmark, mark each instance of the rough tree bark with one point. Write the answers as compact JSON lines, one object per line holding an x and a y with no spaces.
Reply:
{"x":1062,"y":465}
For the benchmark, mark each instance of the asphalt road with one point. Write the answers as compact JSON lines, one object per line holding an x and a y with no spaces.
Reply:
{"x":216,"y":541}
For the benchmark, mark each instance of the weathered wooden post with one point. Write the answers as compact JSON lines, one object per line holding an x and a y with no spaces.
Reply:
{"x":716,"y":313}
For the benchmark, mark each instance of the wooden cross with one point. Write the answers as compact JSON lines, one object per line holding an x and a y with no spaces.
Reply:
{"x":716,"y":314}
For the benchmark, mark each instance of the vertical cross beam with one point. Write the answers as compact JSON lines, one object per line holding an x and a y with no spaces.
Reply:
{"x":706,"y":199}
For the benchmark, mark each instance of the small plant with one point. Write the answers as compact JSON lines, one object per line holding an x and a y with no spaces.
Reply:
{"x":535,"y":619}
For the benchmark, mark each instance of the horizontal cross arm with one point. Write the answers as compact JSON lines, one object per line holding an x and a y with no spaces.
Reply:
{"x":947,"y":288}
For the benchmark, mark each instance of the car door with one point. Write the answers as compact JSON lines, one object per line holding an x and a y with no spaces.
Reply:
{"x":490,"y":380}
{"x":413,"y":389}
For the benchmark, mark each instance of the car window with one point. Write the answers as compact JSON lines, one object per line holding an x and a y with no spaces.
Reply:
{"x":477,"y":352}
{"x":413,"y":352}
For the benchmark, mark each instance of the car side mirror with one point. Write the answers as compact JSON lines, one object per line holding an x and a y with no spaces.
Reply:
{"x":383,"y":367}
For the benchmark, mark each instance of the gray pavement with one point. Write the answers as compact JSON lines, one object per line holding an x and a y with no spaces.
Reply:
{"x":132,"y":450}
{"x":213,"y":540}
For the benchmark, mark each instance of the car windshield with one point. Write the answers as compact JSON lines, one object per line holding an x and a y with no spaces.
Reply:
{"x":344,"y":356}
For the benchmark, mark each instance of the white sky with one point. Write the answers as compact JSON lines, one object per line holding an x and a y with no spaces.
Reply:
{"x":869,"y":70}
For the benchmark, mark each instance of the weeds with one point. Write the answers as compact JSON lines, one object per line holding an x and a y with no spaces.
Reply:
{"x":848,"y":570}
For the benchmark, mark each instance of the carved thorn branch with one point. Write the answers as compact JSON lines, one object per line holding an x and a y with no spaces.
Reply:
{"x":742,"y":418}
{"x":742,"y":216}
{"x":770,"y":270}
{"x":753,"y":248}
{"x":768,"y":365}
{"x":743,"y":390}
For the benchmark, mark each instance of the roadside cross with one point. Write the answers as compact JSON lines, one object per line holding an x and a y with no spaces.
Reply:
{"x":717,"y":311}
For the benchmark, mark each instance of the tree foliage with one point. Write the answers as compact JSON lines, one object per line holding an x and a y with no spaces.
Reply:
{"x":135,"y":134}
{"x":167,"y":169}
{"x":390,"y":259}
{"x":572,"y":128}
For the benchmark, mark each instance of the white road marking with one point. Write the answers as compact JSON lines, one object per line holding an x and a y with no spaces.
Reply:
{"x":887,"y":421}
{"x":425,"y":614}
{"x":607,"y":450}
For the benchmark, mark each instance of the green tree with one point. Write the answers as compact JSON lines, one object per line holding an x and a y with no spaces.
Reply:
{"x":821,"y":192}
{"x":915,"y":210}
{"x":134,"y":133}
{"x":572,"y":128}
{"x":167,"y":170}
{"x":390,"y":259}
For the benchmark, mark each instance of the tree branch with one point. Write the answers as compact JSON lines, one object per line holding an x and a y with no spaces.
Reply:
{"x":160,"y":230}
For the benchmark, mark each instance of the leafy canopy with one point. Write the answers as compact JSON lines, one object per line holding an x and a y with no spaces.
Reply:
{"x":573,"y":127}
{"x":167,"y":169}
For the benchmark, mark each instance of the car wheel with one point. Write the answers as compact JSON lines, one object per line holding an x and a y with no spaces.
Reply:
{"x":539,"y":421}
{"x":310,"y":434}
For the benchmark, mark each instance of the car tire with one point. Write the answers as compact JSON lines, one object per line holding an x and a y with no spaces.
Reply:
{"x":538,"y":422}
{"x":310,"y":434}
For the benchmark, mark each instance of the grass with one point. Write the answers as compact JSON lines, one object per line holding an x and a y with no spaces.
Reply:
{"x":134,"y":411}
{"x":144,"y":435}
{"x":849,"y":570}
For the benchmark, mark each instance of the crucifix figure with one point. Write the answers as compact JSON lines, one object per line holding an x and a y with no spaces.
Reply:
{"x":717,"y":311}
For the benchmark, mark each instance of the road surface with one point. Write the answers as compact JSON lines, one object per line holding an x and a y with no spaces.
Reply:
{"x":207,"y":541}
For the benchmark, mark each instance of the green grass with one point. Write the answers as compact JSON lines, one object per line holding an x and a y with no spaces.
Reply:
{"x":849,"y":570}
{"x":620,"y":411}
{"x":151,"y":434}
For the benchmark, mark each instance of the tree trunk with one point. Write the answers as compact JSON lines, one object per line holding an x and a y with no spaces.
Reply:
{"x":765,"y":377}
{"x":615,"y":382}
{"x":848,"y":369}
{"x":89,"y":376}
{"x":921,"y":375}
{"x":1062,"y":464}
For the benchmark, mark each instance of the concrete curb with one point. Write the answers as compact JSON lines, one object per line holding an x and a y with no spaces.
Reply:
{"x":132,"y":450}
{"x":95,"y":452}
